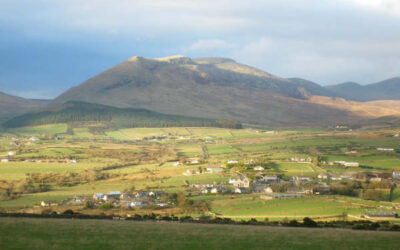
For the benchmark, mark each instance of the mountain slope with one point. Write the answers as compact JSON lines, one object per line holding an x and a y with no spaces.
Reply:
{"x":12,"y":105}
{"x":218,"y":88}
{"x":215,"y":88}
{"x":113,"y":117}
{"x":385,"y":90}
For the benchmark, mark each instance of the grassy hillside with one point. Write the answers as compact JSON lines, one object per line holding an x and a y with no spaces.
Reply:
{"x":11,"y":105}
{"x":22,"y":233}
{"x":115,"y":117}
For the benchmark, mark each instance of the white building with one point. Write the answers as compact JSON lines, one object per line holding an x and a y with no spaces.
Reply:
{"x":385,"y":149}
{"x":351,"y":164}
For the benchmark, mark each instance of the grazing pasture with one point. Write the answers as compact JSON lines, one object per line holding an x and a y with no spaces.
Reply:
{"x":23,"y":233}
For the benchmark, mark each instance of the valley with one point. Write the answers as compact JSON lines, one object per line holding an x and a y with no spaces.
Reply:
{"x":230,"y":173}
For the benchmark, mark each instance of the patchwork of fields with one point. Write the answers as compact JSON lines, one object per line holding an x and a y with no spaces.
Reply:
{"x":174,"y":159}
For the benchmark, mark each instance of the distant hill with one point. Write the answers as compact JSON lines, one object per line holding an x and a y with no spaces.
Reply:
{"x":113,"y":117}
{"x":11,"y":106}
{"x":385,"y":90}
{"x":215,"y":88}
{"x":311,"y":88}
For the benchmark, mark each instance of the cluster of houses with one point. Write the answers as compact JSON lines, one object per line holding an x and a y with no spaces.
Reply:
{"x":117,"y":199}
{"x":242,"y":185}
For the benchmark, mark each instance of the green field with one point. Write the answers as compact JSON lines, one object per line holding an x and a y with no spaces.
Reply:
{"x":18,"y":170}
{"x":143,"y":163}
{"x":254,"y":207}
{"x":21,"y":233}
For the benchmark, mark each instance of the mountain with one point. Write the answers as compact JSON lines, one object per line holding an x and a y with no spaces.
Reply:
{"x":385,"y":90}
{"x":11,"y":106}
{"x":215,"y":88}
{"x":113,"y":117}
{"x":312,"y":88}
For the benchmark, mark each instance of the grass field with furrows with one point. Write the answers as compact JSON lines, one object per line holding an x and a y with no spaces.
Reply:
{"x":22,"y":233}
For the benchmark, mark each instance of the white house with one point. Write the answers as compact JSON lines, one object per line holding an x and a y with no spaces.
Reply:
{"x":351,"y":164}
{"x":268,"y":190}
{"x":240,"y":190}
{"x":48,"y":203}
{"x":98,"y":196}
{"x":396,"y":175}
{"x":11,"y":153}
{"x":176,"y":164}
{"x":232,"y":162}
{"x":323,"y":176}
{"x":4,"y":160}
{"x":258,"y":168}
{"x":241,"y":182}
{"x":385,"y":149}
{"x":194,"y":162}
{"x":133,"y":204}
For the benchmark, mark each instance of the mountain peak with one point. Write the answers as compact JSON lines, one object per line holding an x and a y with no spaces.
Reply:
{"x":176,"y":59}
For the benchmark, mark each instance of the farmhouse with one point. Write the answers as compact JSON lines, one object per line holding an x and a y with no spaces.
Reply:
{"x":323,"y":176}
{"x":157,"y":193}
{"x":303,"y":179}
{"x":258,"y":168}
{"x":126,"y":196}
{"x":241,"y":190}
{"x":193,"y":162}
{"x":241,"y":182}
{"x":98,"y":196}
{"x":112,"y":195}
{"x":48,"y":203}
{"x":5,"y":160}
{"x":134,"y":204}
{"x":301,"y":160}
{"x":11,"y":153}
{"x":351,"y":164}
{"x":381,"y":213}
{"x":270,"y":179}
{"x":142,"y":194}
{"x":76,"y":201}
{"x":396,"y":175}
{"x":232,"y":162}
{"x":385,"y":149}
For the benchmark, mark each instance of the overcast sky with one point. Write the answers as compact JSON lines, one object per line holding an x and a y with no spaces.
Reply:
{"x":48,"y":46}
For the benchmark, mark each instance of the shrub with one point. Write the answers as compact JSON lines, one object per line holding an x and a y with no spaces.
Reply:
{"x":308,"y":222}
{"x":106,"y":206}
